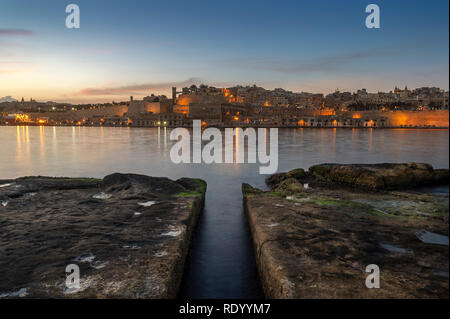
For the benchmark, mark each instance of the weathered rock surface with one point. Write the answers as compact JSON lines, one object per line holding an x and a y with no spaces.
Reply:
{"x":317,"y":242}
{"x":276,"y":179}
{"x":289,"y":186}
{"x":381,"y":176}
{"x":128,"y":233}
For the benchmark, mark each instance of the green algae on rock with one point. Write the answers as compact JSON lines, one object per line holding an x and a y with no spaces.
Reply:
{"x":317,"y":242}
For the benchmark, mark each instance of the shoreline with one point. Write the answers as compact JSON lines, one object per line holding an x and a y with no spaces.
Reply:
{"x":240,"y":126}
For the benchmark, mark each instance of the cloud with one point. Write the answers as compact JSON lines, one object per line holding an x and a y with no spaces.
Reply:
{"x":146,"y":88}
{"x":137,"y":88}
{"x":8,"y":98}
{"x":18,"y":32}
{"x":10,"y":45}
{"x":318,"y":65}
{"x":9,"y":48}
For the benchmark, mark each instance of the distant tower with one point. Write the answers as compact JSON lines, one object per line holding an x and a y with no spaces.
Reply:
{"x":174,"y":94}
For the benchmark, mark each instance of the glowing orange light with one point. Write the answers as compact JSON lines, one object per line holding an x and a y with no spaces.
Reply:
{"x":22,"y":117}
{"x":226,"y":92}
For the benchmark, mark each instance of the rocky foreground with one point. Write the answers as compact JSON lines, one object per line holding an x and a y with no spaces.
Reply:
{"x":129,"y":234}
{"x":316,"y":231}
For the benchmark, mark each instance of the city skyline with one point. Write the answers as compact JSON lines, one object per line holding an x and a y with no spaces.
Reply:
{"x":150,"y":47}
{"x":9,"y":98}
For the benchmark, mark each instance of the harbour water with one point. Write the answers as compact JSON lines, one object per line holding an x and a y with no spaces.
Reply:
{"x":220,"y":263}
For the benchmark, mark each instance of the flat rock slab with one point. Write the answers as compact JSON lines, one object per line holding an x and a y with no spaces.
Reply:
{"x":317,"y":243}
{"x":381,"y":176}
{"x":129,"y":234}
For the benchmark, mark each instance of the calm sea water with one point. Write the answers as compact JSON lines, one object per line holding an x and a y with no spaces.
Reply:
{"x":221,"y":262}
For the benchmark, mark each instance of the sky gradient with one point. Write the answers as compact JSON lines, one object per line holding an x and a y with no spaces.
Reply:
{"x":135,"y":47}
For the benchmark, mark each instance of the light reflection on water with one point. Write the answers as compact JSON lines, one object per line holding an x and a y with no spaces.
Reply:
{"x":221,"y":262}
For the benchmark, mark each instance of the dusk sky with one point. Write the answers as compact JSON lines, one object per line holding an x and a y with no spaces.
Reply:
{"x":136,"y":48}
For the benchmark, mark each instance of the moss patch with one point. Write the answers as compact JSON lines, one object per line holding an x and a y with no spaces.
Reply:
{"x":248,"y":189}
{"x":275,"y":194}
{"x":365,"y":208}
{"x":202,"y":185}
{"x":200,"y":191}
{"x":188,"y":194}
